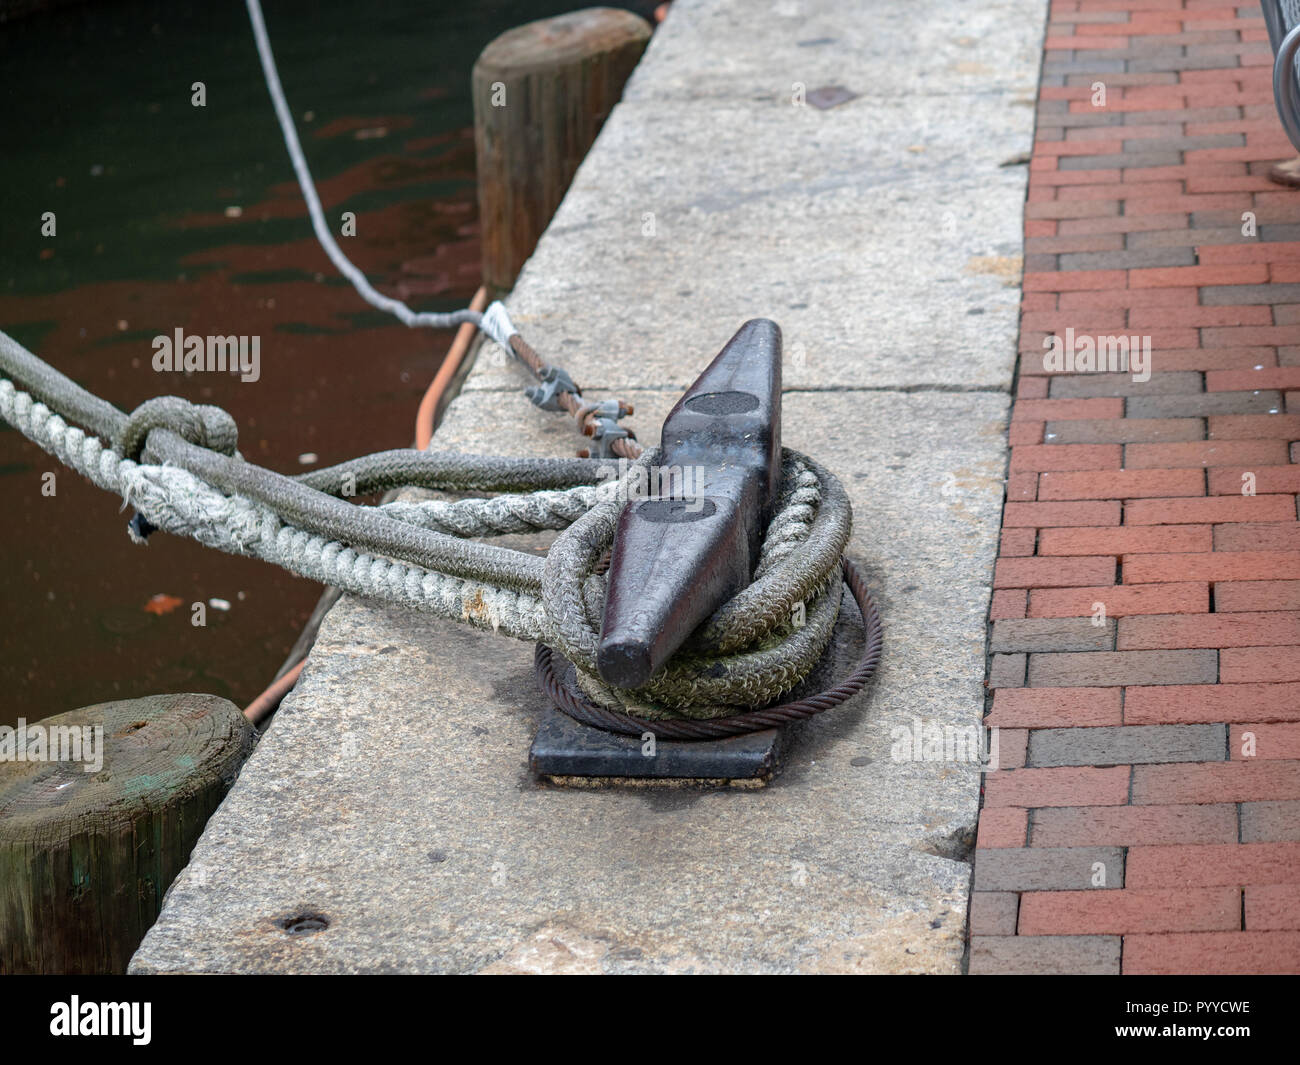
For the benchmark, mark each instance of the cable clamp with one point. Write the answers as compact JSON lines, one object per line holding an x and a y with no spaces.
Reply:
{"x":606,"y":408}
{"x":605,"y":431}
{"x":547,"y":394}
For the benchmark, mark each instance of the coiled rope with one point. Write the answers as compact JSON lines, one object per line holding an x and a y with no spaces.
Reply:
{"x":176,"y":463}
{"x":577,"y":705}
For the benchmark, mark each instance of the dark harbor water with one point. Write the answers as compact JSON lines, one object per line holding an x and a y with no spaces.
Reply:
{"x":172,"y":216}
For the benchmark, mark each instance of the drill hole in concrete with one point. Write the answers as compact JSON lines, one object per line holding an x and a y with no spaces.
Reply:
{"x":304,"y":924}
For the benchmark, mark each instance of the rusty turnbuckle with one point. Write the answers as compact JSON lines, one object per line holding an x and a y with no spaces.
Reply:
{"x":692,"y":543}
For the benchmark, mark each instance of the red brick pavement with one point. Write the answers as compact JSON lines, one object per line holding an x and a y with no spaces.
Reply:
{"x":1146,"y":611}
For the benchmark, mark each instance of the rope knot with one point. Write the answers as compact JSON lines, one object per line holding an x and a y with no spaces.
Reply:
{"x":200,"y":424}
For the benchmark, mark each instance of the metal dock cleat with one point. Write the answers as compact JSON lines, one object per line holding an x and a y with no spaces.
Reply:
{"x":686,"y":543}
{"x":693,"y":542}
{"x":679,"y":553}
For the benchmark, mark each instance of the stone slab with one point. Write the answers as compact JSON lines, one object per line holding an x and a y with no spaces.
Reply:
{"x":881,"y":48}
{"x":786,"y":196}
{"x":780,"y":196}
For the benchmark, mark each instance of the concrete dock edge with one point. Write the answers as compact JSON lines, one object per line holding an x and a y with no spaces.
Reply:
{"x":391,"y":794}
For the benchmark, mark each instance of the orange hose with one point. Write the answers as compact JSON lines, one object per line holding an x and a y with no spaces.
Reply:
{"x":455,"y":355}
{"x":261,"y":707}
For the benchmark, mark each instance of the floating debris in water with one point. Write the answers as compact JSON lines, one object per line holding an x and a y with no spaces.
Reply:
{"x":161,"y":604}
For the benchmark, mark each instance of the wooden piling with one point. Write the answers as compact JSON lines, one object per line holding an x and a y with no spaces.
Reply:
{"x":541,"y":93}
{"x":86,"y":856}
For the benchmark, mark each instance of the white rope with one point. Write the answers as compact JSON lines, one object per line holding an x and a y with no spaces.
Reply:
{"x":565,"y":610}
{"x":496,"y":322}
{"x":176,"y":501}
{"x":520,"y":512}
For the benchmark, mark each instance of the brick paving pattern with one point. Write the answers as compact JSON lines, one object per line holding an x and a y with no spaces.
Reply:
{"x":1145,"y":654}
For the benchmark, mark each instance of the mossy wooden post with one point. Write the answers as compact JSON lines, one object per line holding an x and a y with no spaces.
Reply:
{"x":541,"y":93}
{"x":85,"y":857}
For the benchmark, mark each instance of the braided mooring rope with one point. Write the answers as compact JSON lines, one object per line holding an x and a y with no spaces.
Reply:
{"x":192,"y":482}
